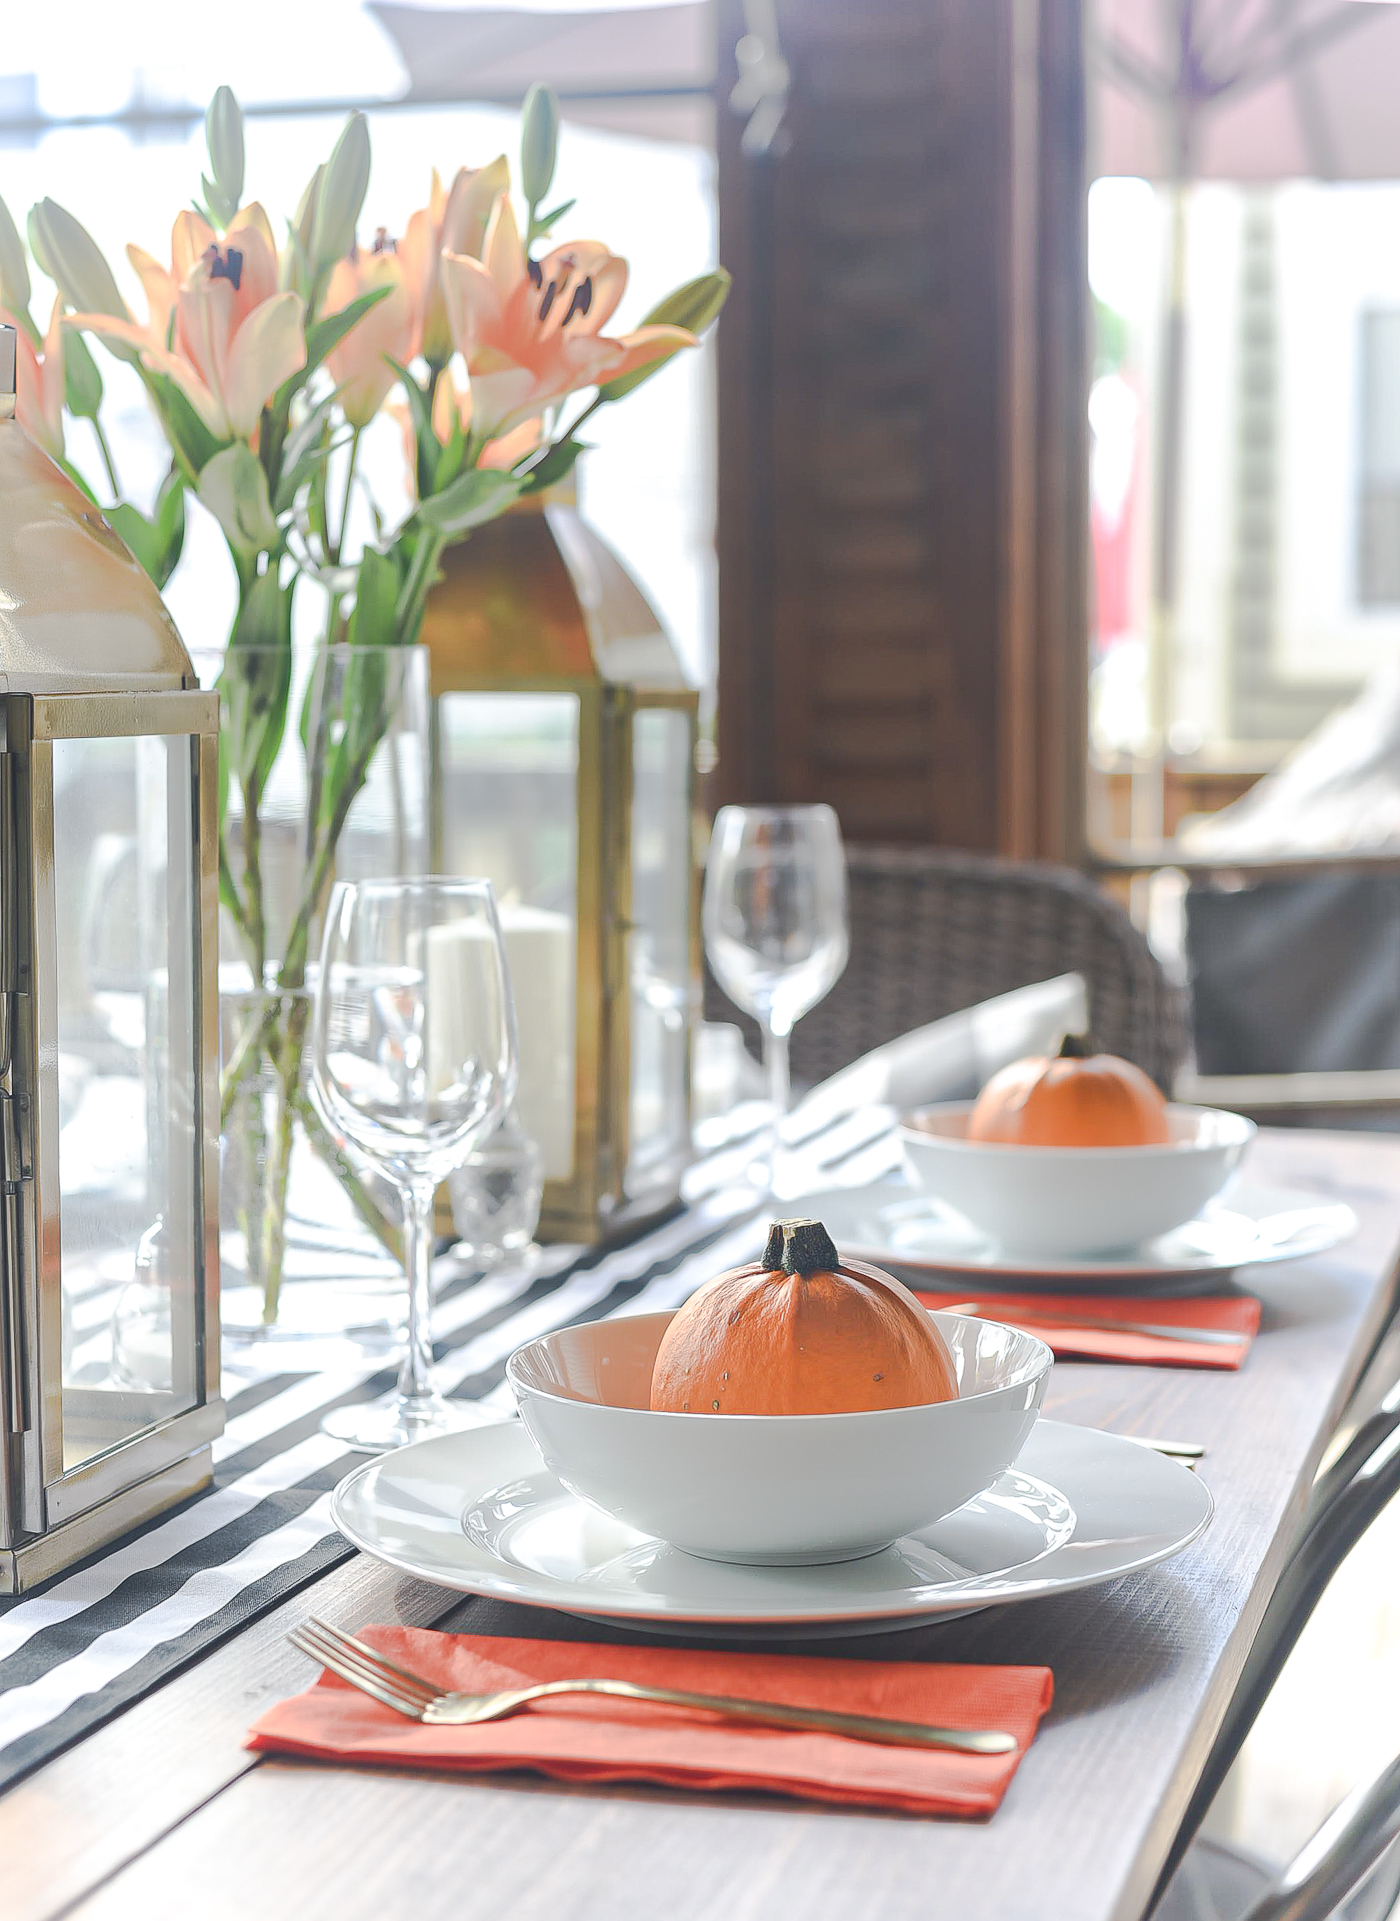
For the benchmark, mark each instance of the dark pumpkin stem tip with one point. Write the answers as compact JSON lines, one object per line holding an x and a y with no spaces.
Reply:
{"x":1077,"y":1047}
{"x":800,"y":1247}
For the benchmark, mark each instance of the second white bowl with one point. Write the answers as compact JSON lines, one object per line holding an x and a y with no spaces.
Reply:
{"x":777,"y":1489}
{"x":1073,"y":1200}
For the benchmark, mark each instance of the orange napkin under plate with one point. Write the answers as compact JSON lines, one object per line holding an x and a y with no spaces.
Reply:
{"x":1234,"y":1313}
{"x":590,"y":1738}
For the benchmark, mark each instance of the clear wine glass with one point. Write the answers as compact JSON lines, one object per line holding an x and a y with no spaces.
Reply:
{"x":775,"y":926}
{"x":414,"y":1062}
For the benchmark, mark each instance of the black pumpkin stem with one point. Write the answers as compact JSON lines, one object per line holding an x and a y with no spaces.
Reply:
{"x":1077,"y":1047}
{"x":800,"y":1247}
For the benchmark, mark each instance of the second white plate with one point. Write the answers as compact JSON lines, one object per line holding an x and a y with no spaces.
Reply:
{"x":479,"y":1512}
{"x":893,"y":1223}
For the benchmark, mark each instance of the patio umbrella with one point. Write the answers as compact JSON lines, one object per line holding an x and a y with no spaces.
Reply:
{"x":1244,"y":90}
{"x":641,"y":69}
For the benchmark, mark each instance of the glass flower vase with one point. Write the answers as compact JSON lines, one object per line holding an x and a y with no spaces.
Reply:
{"x":308,"y":1239}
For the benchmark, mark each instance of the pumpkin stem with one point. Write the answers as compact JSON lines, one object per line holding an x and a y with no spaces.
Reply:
{"x":800,"y":1247}
{"x":1077,"y":1047}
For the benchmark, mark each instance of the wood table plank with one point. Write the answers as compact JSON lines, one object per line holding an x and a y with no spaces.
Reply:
{"x":1143,"y":1670}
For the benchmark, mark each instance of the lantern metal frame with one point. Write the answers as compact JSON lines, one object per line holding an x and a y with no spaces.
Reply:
{"x":482,"y":642}
{"x":88,"y":637}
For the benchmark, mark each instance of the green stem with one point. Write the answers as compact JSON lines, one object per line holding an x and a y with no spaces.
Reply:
{"x":341,"y":1166}
{"x":252,"y":880}
{"x":408,"y":616}
{"x":293,"y":972}
{"x":344,"y":519}
{"x":107,"y":462}
{"x":279,"y":1162}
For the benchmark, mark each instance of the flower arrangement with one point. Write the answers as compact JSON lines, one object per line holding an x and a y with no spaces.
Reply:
{"x":264,"y":364}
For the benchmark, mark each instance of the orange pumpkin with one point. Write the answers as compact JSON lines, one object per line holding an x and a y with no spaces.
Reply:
{"x":801,"y":1332}
{"x":1079,"y":1099}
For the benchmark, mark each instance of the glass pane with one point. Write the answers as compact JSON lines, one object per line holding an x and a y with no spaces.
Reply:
{"x":509,"y":809}
{"x":125,"y":892}
{"x":660,"y":947}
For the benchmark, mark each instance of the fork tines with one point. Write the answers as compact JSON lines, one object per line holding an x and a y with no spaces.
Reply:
{"x":363,"y":1667}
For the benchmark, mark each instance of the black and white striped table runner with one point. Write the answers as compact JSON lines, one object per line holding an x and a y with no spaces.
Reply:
{"x":94,"y":1640}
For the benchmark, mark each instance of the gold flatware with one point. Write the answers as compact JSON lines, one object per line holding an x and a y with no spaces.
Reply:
{"x":1178,"y":1450}
{"x":1160,"y":1330}
{"x":420,"y":1700}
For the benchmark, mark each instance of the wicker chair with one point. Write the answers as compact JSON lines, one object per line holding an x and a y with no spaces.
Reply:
{"x":933,"y":932}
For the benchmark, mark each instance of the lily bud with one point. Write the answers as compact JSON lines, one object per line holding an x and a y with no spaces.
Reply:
{"x":14,"y":268}
{"x":539,"y":142}
{"x":306,"y":207}
{"x":694,"y":305}
{"x":74,"y":261}
{"x":223,"y":130}
{"x":341,"y":195}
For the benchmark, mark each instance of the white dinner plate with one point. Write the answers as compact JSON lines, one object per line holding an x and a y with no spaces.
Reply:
{"x":893,"y":1223}
{"x":478,"y":1511}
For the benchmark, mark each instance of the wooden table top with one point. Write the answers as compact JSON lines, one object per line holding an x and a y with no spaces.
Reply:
{"x":164,"y":1804}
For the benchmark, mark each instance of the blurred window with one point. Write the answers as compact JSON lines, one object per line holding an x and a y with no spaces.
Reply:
{"x":1378,"y":516}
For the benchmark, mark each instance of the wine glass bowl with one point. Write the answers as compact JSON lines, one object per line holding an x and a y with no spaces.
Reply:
{"x":414,"y":1063}
{"x":774,"y":918}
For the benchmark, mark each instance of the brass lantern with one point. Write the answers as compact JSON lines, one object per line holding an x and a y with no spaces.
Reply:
{"x":564,"y":736}
{"x":109,"y":1355}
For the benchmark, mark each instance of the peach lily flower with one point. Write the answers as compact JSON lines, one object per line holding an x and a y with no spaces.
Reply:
{"x":360,"y":364}
{"x":217,"y":325}
{"x":529,"y":330}
{"x":452,"y":222}
{"x":39,"y":383}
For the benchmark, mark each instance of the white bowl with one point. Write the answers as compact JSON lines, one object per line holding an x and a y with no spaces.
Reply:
{"x":779,"y":1490}
{"x":1073,"y":1200}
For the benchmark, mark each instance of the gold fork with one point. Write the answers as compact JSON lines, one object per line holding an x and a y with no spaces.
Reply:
{"x":1070,"y":1322}
{"x":420,"y":1700}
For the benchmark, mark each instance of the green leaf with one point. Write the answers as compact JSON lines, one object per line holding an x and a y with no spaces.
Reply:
{"x":376,"y":599}
{"x":256,"y":680}
{"x":158,"y":542}
{"x":539,"y":143}
{"x":555,"y":214}
{"x":427,"y":446}
{"x":322,"y":337}
{"x":552,"y":466}
{"x":233,"y":487}
{"x":184,"y":429}
{"x":479,"y":495}
{"x":449,"y":462}
{"x":306,"y":450}
{"x":82,"y":383}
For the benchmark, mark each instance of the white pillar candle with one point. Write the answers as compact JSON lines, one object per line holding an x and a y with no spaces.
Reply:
{"x":539,"y":948}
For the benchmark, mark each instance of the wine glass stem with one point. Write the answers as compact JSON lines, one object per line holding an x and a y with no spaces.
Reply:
{"x":775,"y":1059}
{"x":415,"y":1376}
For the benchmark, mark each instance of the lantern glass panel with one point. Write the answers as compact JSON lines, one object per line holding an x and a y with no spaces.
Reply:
{"x":660,"y":943}
{"x":508,"y":772}
{"x":125,"y":887}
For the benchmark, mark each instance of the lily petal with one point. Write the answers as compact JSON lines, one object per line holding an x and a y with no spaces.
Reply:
{"x":189,"y":237}
{"x":502,"y":254}
{"x":268,"y":348}
{"x":469,"y":207}
{"x":473,"y":300}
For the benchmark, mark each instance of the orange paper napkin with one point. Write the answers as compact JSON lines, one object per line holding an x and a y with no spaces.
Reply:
{"x":590,"y":1738}
{"x":1234,"y":1313}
